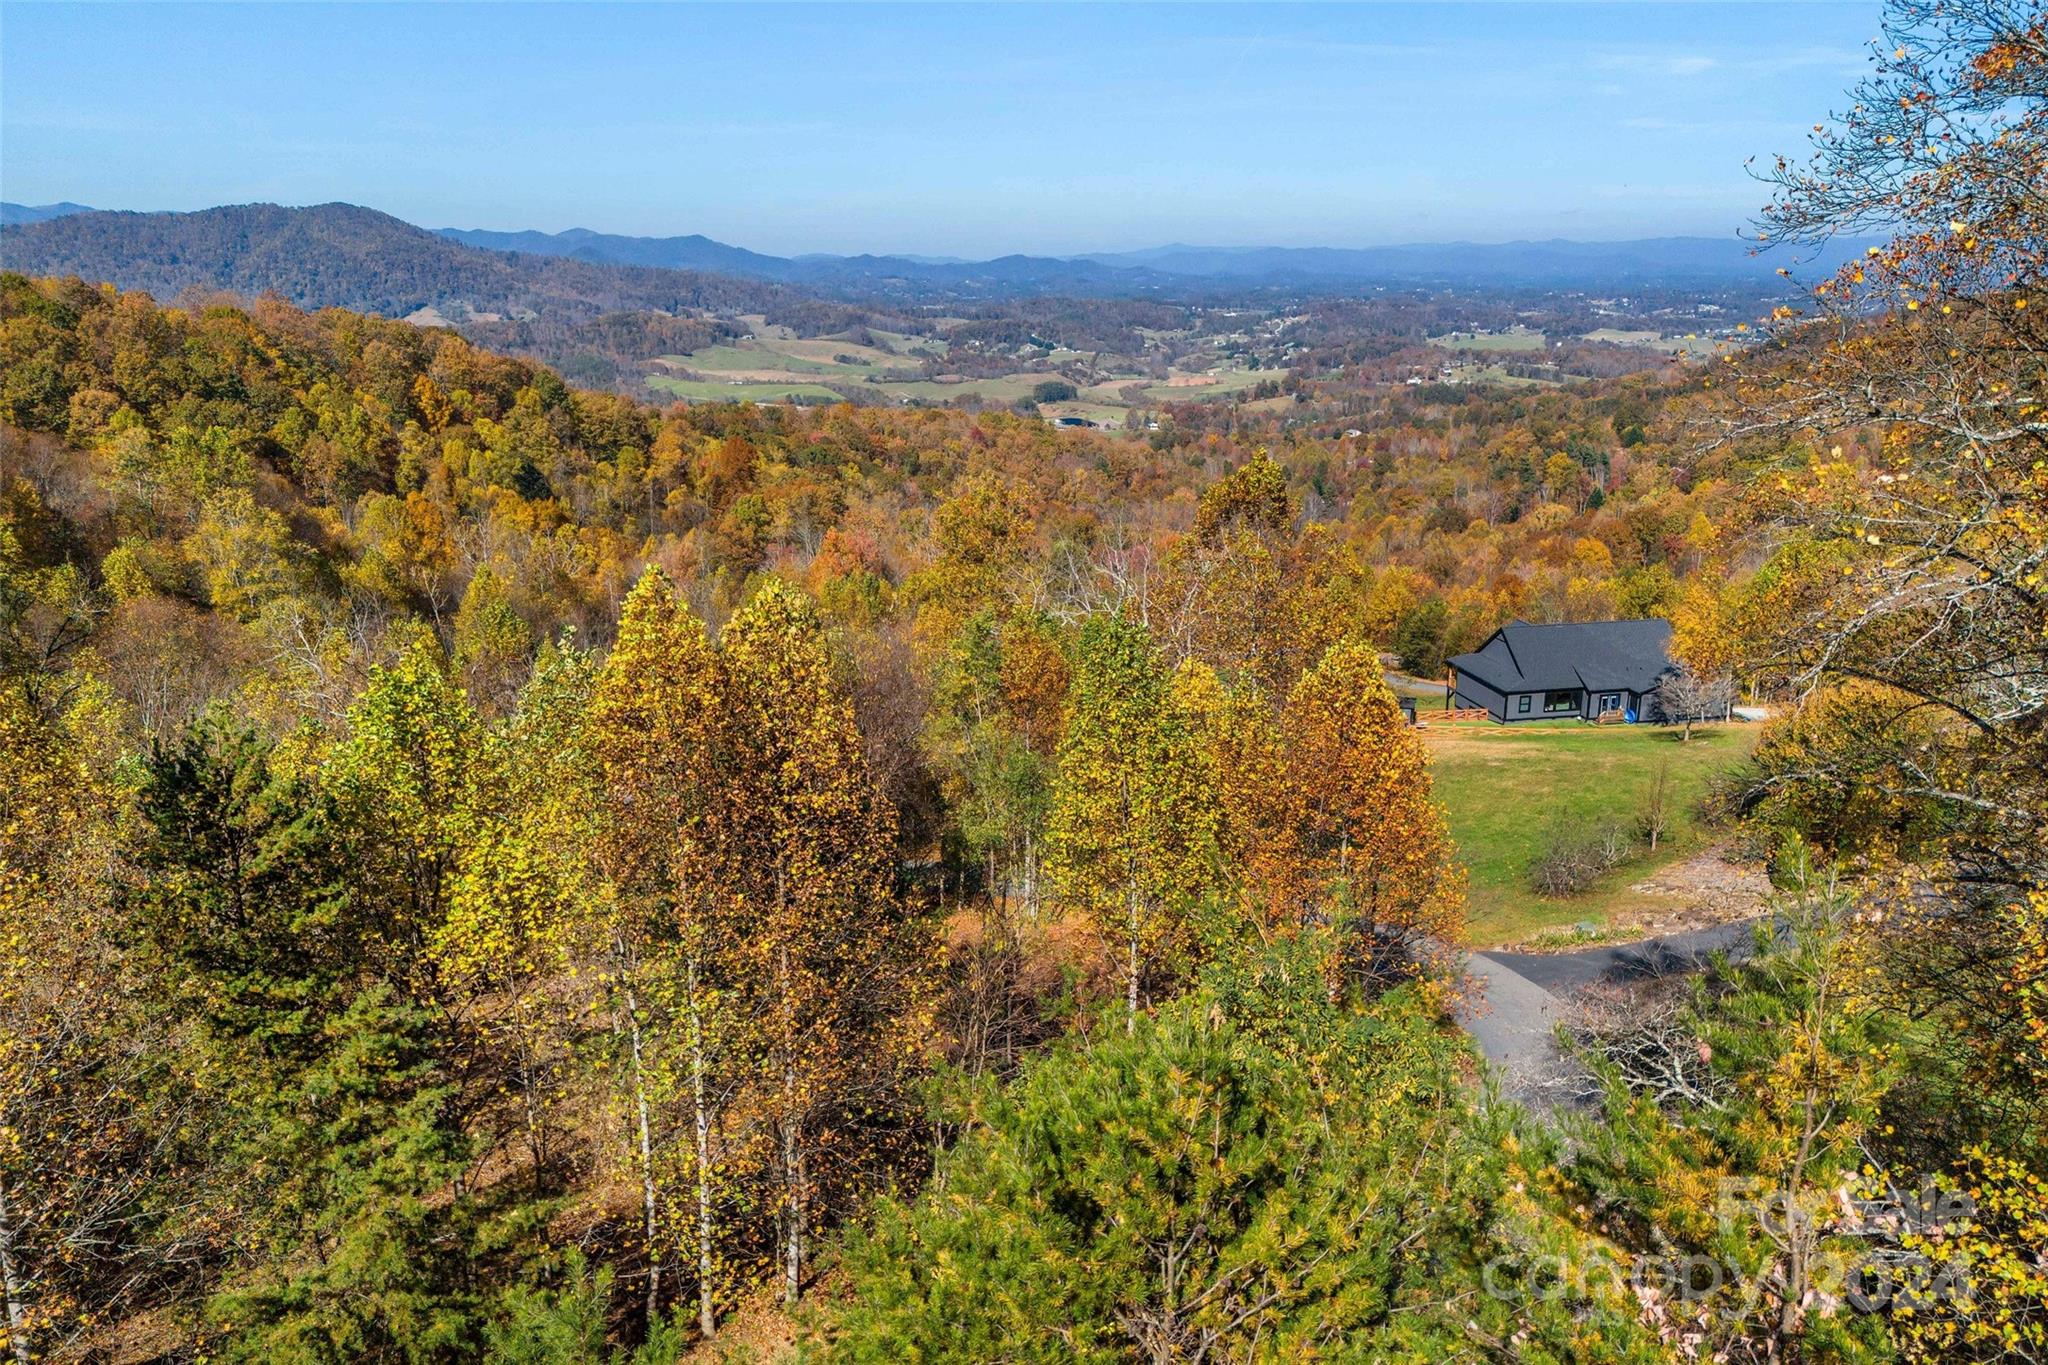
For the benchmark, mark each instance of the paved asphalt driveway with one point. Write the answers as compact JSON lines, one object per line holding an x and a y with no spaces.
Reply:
{"x":1517,"y":998}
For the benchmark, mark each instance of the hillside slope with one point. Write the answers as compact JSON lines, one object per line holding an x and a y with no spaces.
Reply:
{"x":344,"y":256}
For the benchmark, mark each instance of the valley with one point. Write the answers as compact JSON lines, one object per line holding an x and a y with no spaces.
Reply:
{"x":627,"y":318}
{"x":881,"y":756}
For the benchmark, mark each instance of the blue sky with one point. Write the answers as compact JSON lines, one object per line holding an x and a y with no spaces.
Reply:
{"x":969,"y":131}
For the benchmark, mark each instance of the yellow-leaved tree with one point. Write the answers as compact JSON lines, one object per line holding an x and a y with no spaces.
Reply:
{"x":655,"y":730}
{"x":516,"y":903}
{"x":81,"y":1114}
{"x":1134,"y":819}
{"x":830,"y":966}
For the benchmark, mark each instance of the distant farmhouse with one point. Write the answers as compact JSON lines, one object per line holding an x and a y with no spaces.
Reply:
{"x":1586,"y":670}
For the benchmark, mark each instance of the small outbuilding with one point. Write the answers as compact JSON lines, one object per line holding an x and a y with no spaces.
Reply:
{"x":1586,"y":670}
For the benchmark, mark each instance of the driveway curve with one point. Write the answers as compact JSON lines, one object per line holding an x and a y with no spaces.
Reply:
{"x":1515,"y":1000}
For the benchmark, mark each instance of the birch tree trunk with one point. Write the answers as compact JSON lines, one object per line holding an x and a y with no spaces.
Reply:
{"x":1131,"y":967}
{"x":792,"y":1138}
{"x":707,"y":1321}
{"x":649,"y":1206}
{"x":10,"y":1283}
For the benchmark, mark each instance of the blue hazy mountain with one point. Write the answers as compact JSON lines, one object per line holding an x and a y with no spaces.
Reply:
{"x":345,"y":254}
{"x":1557,"y":263}
{"x":37,"y":213}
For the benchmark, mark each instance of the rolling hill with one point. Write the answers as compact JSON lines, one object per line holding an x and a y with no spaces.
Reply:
{"x":693,"y":252}
{"x":37,"y":213}
{"x":344,"y":256}
{"x":861,"y":275}
{"x":1663,"y":261}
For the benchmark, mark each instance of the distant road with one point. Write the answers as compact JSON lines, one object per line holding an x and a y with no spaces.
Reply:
{"x":1401,"y":681}
{"x":1517,"y":999}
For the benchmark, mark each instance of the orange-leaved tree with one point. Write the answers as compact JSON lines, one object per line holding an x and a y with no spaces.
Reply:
{"x":1361,"y":836}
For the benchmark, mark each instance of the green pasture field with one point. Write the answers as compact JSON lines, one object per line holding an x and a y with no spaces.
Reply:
{"x":1506,"y":787}
{"x":1489,"y":341}
{"x":713,"y":391}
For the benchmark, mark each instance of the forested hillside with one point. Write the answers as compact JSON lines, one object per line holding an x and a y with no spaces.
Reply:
{"x":397,"y":463}
{"x":494,"y":870}
{"x":342,"y":256}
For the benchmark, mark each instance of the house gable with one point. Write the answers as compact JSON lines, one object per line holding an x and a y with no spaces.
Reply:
{"x":1592,"y":656}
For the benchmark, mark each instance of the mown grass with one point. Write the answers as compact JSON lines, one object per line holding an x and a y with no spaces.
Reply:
{"x":1506,"y":788}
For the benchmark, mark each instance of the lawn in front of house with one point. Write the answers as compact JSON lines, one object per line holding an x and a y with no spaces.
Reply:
{"x":1506,"y":789}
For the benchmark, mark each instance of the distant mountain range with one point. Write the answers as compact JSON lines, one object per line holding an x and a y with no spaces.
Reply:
{"x":343,"y":256}
{"x":1668,"y":261}
{"x":348,"y":256}
{"x":36,"y":213}
{"x":866,"y":274}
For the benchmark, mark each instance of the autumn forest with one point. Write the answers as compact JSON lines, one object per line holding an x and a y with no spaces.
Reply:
{"x":495,"y":868}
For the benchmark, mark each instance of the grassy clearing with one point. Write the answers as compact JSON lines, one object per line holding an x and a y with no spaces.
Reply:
{"x":1655,"y":341}
{"x":1100,"y":413}
{"x":1506,"y":788}
{"x":778,"y":361}
{"x":1498,"y":375}
{"x":745,"y":358}
{"x":844,"y":354}
{"x":715,"y":391}
{"x":1516,"y":340}
{"x":1006,"y":388}
{"x":903,"y":343}
{"x":1215,"y":385}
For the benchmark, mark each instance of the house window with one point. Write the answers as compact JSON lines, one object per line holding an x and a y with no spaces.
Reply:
{"x":1522,"y":705}
{"x":1560,"y":701}
{"x":1610,"y":701}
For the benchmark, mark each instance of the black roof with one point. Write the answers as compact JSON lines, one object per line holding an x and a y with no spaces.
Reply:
{"x":1596,"y":655}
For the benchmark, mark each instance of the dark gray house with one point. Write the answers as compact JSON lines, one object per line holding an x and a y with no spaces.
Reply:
{"x":1526,"y":672}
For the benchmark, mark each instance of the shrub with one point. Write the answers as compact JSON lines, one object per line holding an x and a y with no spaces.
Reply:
{"x":1573,"y":859}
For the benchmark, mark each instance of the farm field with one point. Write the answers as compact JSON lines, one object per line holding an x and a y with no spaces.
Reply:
{"x":746,"y":361}
{"x":903,"y":343}
{"x":781,"y":358}
{"x":1506,"y":790}
{"x":1006,"y":388}
{"x":1517,"y":340}
{"x":712,"y":390}
{"x":773,"y":365}
{"x":1216,"y":385}
{"x":1102,"y":414}
{"x":1498,"y":375}
{"x":1278,"y":403}
{"x":1655,"y":341}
